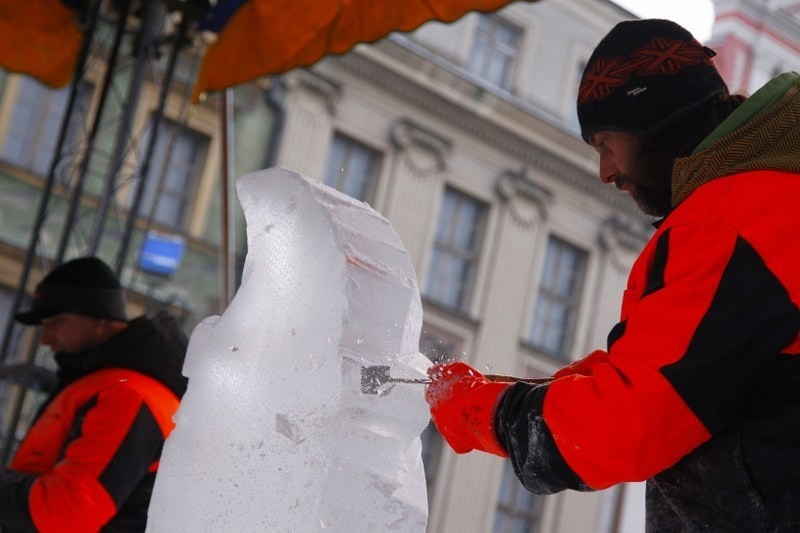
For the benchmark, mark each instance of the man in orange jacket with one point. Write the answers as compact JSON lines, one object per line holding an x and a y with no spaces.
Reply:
{"x":698,"y":390}
{"x":88,"y":462}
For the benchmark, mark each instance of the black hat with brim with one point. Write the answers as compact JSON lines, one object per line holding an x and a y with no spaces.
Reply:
{"x":84,"y":286}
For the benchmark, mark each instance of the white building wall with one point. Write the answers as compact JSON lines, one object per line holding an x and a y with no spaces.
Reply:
{"x":308,"y":124}
{"x":435,"y":126}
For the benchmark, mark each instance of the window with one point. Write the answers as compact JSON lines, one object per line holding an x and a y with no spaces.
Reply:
{"x":351,"y":168}
{"x":32,"y":133}
{"x":432,"y":443}
{"x":459,"y":234}
{"x":179,"y":155}
{"x":439,"y":347}
{"x":518,"y":511}
{"x":495,"y":50}
{"x":572,"y":103}
{"x":559,"y":295}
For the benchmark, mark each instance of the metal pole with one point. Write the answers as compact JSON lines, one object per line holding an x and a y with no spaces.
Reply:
{"x":77,"y":191}
{"x":41,"y":215}
{"x":50,"y":180}
{"x":227,"y":255}
{"x":146,"y":34}
{"x":158,"y":114}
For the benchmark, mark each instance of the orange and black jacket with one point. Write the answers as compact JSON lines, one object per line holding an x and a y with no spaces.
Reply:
{"x":698,"y":391}
{"x":89,"y":461}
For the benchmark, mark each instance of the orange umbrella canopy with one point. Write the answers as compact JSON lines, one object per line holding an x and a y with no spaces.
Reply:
{"x":274,"y":36}
{"x":40,"y":38}
{"x":255,"y":37}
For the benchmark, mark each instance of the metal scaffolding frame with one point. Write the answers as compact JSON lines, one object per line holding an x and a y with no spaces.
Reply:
{"x":149,"y":32}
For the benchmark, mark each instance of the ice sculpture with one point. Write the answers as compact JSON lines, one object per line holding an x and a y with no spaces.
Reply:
{"x":274,"y":434}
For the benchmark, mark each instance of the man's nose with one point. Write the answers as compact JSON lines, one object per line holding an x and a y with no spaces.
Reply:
{"x":608,"y":170}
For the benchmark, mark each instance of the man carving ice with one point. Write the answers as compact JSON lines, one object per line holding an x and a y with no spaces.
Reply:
{"x":698,"y":391}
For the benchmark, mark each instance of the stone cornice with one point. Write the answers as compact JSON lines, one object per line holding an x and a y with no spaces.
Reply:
{"x":620,"y":233}
{"x":329,"y":90}
{"x":515,"y":185}
{"x":406,"y":133}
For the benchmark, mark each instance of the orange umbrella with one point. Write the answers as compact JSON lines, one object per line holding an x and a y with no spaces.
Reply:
{"x":274,"y":36}
{"x":255,"y":37}
{"x":40,"y":38}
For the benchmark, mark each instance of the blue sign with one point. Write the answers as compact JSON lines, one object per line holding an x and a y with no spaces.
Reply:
{"x":161,"y":254}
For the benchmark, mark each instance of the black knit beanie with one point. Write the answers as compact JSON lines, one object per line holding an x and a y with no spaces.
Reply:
{"x":85,"y":286}
{"x":644,"y":76}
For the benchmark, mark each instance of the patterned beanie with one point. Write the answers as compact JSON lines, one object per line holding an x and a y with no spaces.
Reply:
{"x":644,"y":76}
{"x":84,"y":286}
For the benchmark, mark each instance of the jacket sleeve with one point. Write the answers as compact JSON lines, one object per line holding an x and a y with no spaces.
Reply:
{"x":697,"y":329}
{"x":14,"y":490}
{"x":109,"y":451}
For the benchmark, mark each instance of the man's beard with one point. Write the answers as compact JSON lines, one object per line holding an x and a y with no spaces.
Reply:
{"x":652,"y":183}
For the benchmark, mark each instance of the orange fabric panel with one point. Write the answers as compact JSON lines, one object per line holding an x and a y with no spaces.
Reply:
{"x":69,"y":502}
{"x":40,"y":38}
{"x":161,"y":401}
{"x":620,"y":424}
{"x":68,"y":493}
{"x":620,"y":419}
{"x":273,"y":36}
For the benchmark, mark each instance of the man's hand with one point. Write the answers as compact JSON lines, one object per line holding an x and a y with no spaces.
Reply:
{"x":463,"y":403}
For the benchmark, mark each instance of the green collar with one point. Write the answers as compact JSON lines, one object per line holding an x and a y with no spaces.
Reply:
{"x":762,"y":99}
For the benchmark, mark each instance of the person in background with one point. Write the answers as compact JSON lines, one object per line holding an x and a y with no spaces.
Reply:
{"x":698,"y":390}
{"x":89,"y":460}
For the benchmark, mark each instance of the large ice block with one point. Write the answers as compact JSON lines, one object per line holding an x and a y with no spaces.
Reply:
{"x":274,"y":434}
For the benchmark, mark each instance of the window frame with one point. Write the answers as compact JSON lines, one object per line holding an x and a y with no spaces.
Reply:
{"x":350,"y":146}
{"x":480,"y":64}
{"x":548,"y":295}
{"x":48,"y":114}
{"x":578,"y":64}
{"x":514,"y":510}
{"x":431,"y":338}
{"x":170,"y":132}
{"x":445,"y":251}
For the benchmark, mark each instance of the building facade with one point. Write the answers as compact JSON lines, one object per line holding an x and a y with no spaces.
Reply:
{"x":465,"y":137}
{"x":755,"y":41}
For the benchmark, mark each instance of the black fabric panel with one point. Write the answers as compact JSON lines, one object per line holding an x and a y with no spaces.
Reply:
{"x":133,"y":517}
{"x":770,"y":438}
{"x":655,"y":281}
{"x":615,"y":334}
{"x":655,"y":276}
{"x":749,"y":471}
{"x":774,"y":407}
{"x":523,"y":433}
{"x":140,"y":447}
{"x":749,"y":321}
{"x":154,"y":347}
{"x":725,"y":501}
{"x":76,"y":428}
{"x":14,"y":510}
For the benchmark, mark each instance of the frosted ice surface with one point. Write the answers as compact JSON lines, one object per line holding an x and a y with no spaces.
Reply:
{"x":274,"y":434}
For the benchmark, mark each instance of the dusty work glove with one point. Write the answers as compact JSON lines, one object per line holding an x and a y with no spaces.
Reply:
{"x":463,"y":403}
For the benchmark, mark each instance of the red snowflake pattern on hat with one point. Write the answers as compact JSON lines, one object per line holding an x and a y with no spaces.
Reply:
{"x":660,"y":56}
